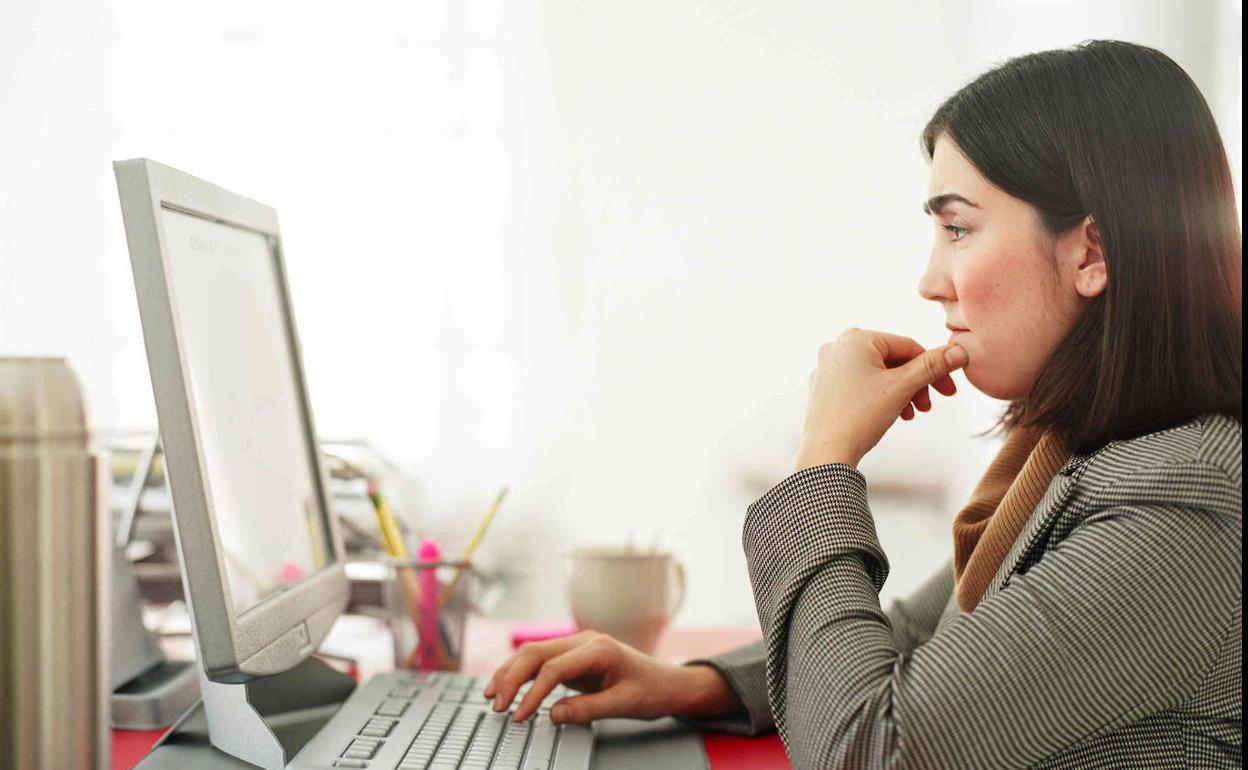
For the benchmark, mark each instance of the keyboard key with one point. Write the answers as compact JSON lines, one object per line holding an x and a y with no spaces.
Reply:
{"x":378,"y":727}
{"x":542,"y":744}
{"x":456,"y":741}
{"x":350,"y":763}
{"x":361,"y":748}
{"x":391,"y":707}
{"x":422,"y":749}
{"x":483,"y":742}
{"x":511,"y":748}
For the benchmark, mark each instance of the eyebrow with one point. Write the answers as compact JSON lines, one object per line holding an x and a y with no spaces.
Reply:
{"x":937,"y":203}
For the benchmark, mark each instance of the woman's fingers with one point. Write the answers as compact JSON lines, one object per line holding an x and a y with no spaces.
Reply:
{"x":521,"y":667}
{"x":945,"y":386}
{"x":590,"y":657}
{"x":922,"y":400}
{"x":895,"y":349}
{"x":898,"y":351}
{"x":907,"y":413}
{"x":580,"y":709}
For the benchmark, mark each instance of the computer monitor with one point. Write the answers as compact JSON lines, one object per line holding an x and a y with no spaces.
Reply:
{"x":260,"y":552}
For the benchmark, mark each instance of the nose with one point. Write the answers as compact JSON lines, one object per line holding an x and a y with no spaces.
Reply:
{"x":935,"y":283}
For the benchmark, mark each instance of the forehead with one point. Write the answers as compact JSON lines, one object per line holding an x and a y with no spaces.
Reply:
{"x":953,"y":173}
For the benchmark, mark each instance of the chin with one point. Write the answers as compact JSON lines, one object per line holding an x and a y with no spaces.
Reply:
{"x":991,"y":383}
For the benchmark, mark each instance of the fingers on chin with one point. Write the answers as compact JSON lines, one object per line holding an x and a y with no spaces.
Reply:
{"x":945,"y":386}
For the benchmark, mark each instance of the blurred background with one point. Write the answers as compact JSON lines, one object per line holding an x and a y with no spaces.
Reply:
{"x":588,"y":249}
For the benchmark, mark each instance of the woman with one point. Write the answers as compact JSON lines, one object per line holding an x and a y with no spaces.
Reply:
{"x":1088,"y":258}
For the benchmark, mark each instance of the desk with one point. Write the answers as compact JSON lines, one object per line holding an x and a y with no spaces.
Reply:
{"x":488,"y":644}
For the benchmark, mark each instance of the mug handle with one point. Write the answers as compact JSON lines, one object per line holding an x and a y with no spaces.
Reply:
{"x":680,"y":595}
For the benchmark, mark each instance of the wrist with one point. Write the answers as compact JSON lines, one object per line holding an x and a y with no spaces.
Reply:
{"x":705,"y":693}
{"x":809,"y":457}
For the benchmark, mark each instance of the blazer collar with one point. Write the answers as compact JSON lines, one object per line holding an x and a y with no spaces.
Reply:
{"x":1078,"y":460}
{"x":1046,"y":513}
{"x":1040,"y":521}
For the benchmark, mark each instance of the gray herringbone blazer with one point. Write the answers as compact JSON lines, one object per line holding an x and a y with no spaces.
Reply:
{"x":1110,"y":637}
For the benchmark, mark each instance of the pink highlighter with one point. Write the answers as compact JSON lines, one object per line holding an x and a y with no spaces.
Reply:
{"x":428,"y":553}
{"x":539,"y":632}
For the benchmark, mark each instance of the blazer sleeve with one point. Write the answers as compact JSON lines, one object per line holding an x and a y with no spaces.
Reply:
{"x":1108,"y":627}
{"x":913,"y":621}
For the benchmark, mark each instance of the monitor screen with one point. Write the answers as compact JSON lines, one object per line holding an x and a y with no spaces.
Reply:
{"x":257,"y":456}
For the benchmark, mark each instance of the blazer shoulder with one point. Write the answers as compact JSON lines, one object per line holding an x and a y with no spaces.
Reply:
{"x":1222,"y":445}
{"x":1198,"y":463}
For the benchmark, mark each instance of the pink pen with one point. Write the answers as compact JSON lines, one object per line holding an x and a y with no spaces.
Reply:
{"x":428,"y":553}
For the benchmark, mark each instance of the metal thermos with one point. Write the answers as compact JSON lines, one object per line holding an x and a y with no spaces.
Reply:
{"x":53,"y":573}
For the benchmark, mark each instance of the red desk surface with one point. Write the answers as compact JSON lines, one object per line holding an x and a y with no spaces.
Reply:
{"x":489,"y":644}
{"x":129,"y":746}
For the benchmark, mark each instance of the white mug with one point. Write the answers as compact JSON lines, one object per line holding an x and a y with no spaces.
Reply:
{"x":630,"y":595}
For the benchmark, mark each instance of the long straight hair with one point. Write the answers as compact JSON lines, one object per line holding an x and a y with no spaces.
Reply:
{"x":1119,"y":131}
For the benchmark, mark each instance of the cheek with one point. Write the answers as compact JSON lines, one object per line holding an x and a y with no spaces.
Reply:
{"x":981,"y":295}
{"x":996,"y":300}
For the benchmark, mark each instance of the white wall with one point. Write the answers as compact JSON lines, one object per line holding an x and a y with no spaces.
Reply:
{"x":587,"y":248}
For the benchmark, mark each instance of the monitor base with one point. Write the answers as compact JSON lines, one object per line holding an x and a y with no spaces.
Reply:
{"x":262,"y":723}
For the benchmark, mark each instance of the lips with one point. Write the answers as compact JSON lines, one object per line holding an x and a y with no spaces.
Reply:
{"x":953,"y":328}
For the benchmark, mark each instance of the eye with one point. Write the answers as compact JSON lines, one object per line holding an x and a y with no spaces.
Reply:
{"x":958,"y":232}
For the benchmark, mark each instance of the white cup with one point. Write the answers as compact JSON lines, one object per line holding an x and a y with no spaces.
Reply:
{"x":630,"y":595}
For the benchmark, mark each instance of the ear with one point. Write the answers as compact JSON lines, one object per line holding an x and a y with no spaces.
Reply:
{"x":1091,"y":272}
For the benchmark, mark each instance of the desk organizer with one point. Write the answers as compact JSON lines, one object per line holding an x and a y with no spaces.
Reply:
{"x":405,"y":603}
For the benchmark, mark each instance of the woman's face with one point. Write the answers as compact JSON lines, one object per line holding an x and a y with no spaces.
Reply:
{"x":1013,"y":288}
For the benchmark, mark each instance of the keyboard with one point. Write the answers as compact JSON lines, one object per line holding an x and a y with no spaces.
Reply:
{"x":439,"y":720}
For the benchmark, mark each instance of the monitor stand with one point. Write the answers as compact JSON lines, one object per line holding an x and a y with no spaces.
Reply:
{"x":263,"y":722}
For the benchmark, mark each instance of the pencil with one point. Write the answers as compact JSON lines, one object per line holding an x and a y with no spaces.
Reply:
{"x":473,"y":542}
{"x":394,"y":545}
{"x":391,"y":535}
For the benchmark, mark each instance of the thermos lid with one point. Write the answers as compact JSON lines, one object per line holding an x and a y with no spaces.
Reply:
{"x":41,"y":400}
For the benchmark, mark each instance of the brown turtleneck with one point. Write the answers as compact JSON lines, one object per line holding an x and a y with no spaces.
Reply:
{"x":1003,"y":501}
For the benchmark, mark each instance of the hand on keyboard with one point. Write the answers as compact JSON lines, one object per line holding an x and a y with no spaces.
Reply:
{"x":619,"y":680}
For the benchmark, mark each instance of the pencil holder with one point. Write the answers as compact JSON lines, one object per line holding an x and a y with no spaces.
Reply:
{"x":426,"y":606}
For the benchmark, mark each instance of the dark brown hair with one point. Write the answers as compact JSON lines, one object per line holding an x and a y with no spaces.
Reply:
{"x":1119,"y":131}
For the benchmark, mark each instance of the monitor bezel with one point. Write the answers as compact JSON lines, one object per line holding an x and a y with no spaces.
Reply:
{"x":283,"y":629}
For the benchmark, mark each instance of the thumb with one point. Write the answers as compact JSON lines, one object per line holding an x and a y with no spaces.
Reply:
{"x":588,"y":707}
{"x":934,"y":364}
